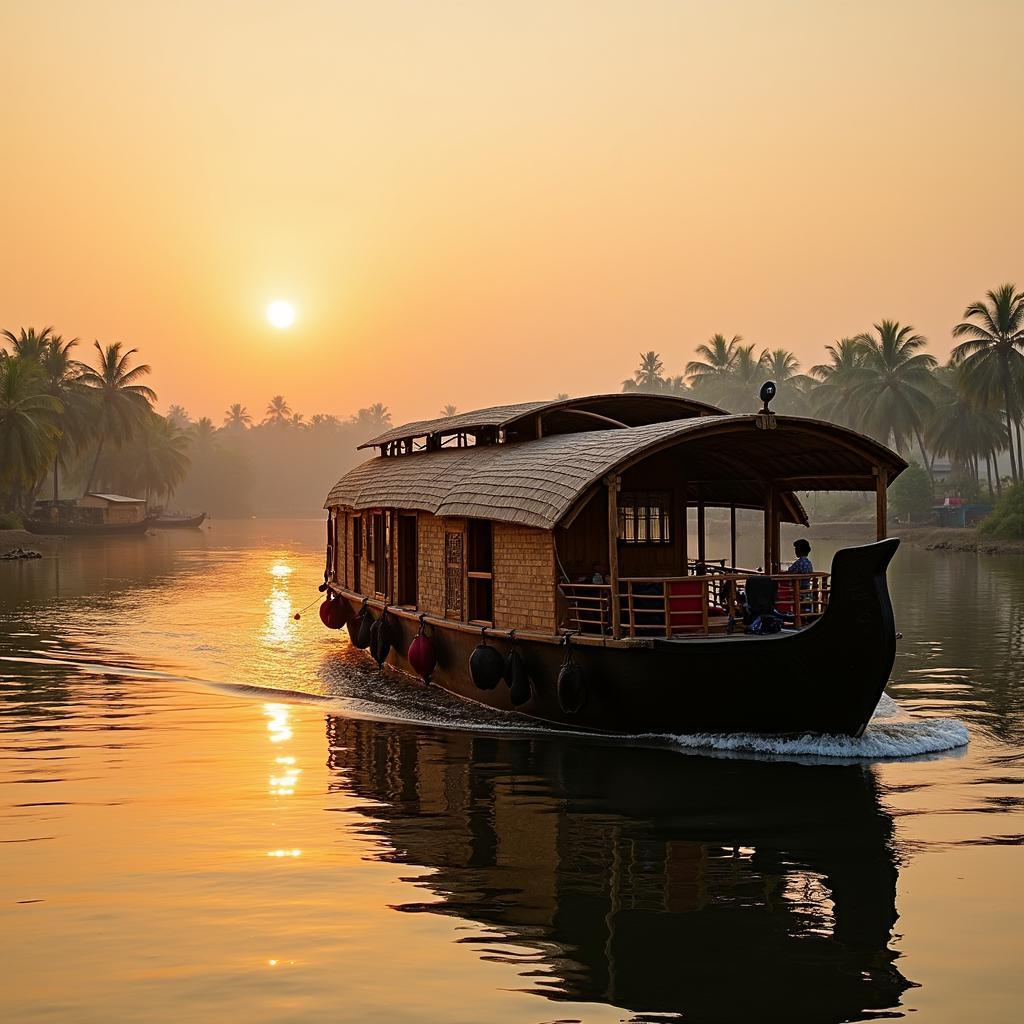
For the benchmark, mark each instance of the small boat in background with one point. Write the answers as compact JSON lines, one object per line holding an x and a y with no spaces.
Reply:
{"x":91,"y":515}
{"x":178,"y":521}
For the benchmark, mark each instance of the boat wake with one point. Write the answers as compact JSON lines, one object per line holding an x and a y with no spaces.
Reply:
{"x":347,"y":688}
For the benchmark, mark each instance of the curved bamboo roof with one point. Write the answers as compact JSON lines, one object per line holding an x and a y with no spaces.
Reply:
{"x":724,"y":459}
{"x":622,"y":409}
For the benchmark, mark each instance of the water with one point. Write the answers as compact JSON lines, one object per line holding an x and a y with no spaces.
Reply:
{"x":209,"y":810}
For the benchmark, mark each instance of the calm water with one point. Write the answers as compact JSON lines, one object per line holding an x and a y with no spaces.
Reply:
{"x":209,"y":811}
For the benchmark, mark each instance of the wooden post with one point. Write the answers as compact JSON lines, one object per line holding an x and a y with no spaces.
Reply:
{"x":769,"y":515}
{"x":776,"y":532}
{"x":612,"y":483}
{"x":701,"y":539}
{"x":732,"y":534}
{"x":684,"y":532}
{"x":881,"y":499}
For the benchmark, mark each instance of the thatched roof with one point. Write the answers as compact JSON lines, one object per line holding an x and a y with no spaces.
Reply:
{"x":629,"y":409}
{"x":537,"y":483}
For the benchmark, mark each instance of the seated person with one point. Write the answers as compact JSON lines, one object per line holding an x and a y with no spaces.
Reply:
{"x":802,"y":564}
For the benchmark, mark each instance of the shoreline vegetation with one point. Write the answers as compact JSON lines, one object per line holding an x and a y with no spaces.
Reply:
{"x":68,"y":426}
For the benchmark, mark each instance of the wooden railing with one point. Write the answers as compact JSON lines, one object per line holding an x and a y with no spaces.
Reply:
{"x":686,"y":605}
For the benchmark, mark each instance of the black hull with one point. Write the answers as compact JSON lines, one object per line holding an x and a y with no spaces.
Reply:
{"x":183,"y":523}
{"x":826,"y":678}
{"x":43,"y":527}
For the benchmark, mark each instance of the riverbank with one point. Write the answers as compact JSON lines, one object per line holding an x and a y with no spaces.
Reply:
{"x":930,"y":538}
{"x":11,"y":540}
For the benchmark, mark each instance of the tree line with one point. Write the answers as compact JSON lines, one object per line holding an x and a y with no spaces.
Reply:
{"x":881,"y":382}
{"x":69,"y":426}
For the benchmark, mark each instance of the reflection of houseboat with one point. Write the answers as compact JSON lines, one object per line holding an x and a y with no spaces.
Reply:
{"x":98,"y":514}
{"x":521,"y":525}
{"x":720,"y":890}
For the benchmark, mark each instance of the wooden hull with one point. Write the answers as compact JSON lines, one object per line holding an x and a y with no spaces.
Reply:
{"x":46,"y":528}
{"x":826,"y":678}
{"x":179,"y":522}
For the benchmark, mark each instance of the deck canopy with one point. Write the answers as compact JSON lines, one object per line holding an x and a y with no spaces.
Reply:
{"x":528,"y":420}
{"x":723,"y":459}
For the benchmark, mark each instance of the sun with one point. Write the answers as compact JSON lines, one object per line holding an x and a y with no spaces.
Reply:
{"x":281,"y":313}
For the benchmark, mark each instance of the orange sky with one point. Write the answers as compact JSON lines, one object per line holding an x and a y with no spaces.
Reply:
{"x":481,"y":202}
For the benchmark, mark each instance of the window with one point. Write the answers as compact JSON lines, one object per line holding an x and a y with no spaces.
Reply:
{"x":381,"y":536}
{"x":645,"y":517}
{"x":479,"y":570}
{"x":407,"y":555}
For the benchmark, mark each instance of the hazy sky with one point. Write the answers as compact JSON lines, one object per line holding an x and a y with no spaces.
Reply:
{"x":484,"y":202}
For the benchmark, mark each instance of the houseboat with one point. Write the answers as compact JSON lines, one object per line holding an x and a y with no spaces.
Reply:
{"x":535,"y":558}
{"x":91,"y":515}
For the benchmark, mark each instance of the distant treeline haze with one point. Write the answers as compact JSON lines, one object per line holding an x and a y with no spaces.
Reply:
{"x":70,"y":425}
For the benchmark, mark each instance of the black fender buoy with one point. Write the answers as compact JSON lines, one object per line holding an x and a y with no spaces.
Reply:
{"x":518,"y":678}
{"x":359,"y":628}
{"x":572,"y":687}
{"x":380,"y":639}
{"x":486,"y":665}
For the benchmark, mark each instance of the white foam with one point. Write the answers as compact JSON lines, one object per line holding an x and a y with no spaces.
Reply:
{"x":881,"y":739}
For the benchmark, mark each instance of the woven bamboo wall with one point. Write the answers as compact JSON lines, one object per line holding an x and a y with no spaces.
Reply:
{"x":524,"y":578}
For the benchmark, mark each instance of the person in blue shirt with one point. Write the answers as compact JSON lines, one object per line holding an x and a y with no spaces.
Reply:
{"x":802,"y":564}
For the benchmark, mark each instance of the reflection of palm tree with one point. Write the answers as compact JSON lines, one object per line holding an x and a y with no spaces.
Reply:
{"x":120,"y":401}
{"x":892,"y":392}
{"x":991,"y":357}
{"x":29,"y":426}
{"x":237,"y":417}
{"x":278,"y":411}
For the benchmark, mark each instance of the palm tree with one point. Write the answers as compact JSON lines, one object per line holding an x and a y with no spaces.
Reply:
{"x":323,"y":421}
{"x":373,"y":417}
{"x":709,"y":373}
{"x":120,"y":402}
{"x":159,"y":456}
{"x":203,"y":435}
{"x":298,"y":421}
{"x":780,"y":364}
{"x":746,"y":374}
{"x":837,"y":378}
{"x":892,"y":391}
{"x":959,"y":429}
{"x":647,"y":376}
{"x":448,"y":410}
{"x":991,"y":356}
{"x":278,"y":411}
{"x":237,"y":417}
{"x":62,"y":375}
{"x":29,"y":426}
{"x":178,"y":415}
{"x":28,"y":344}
